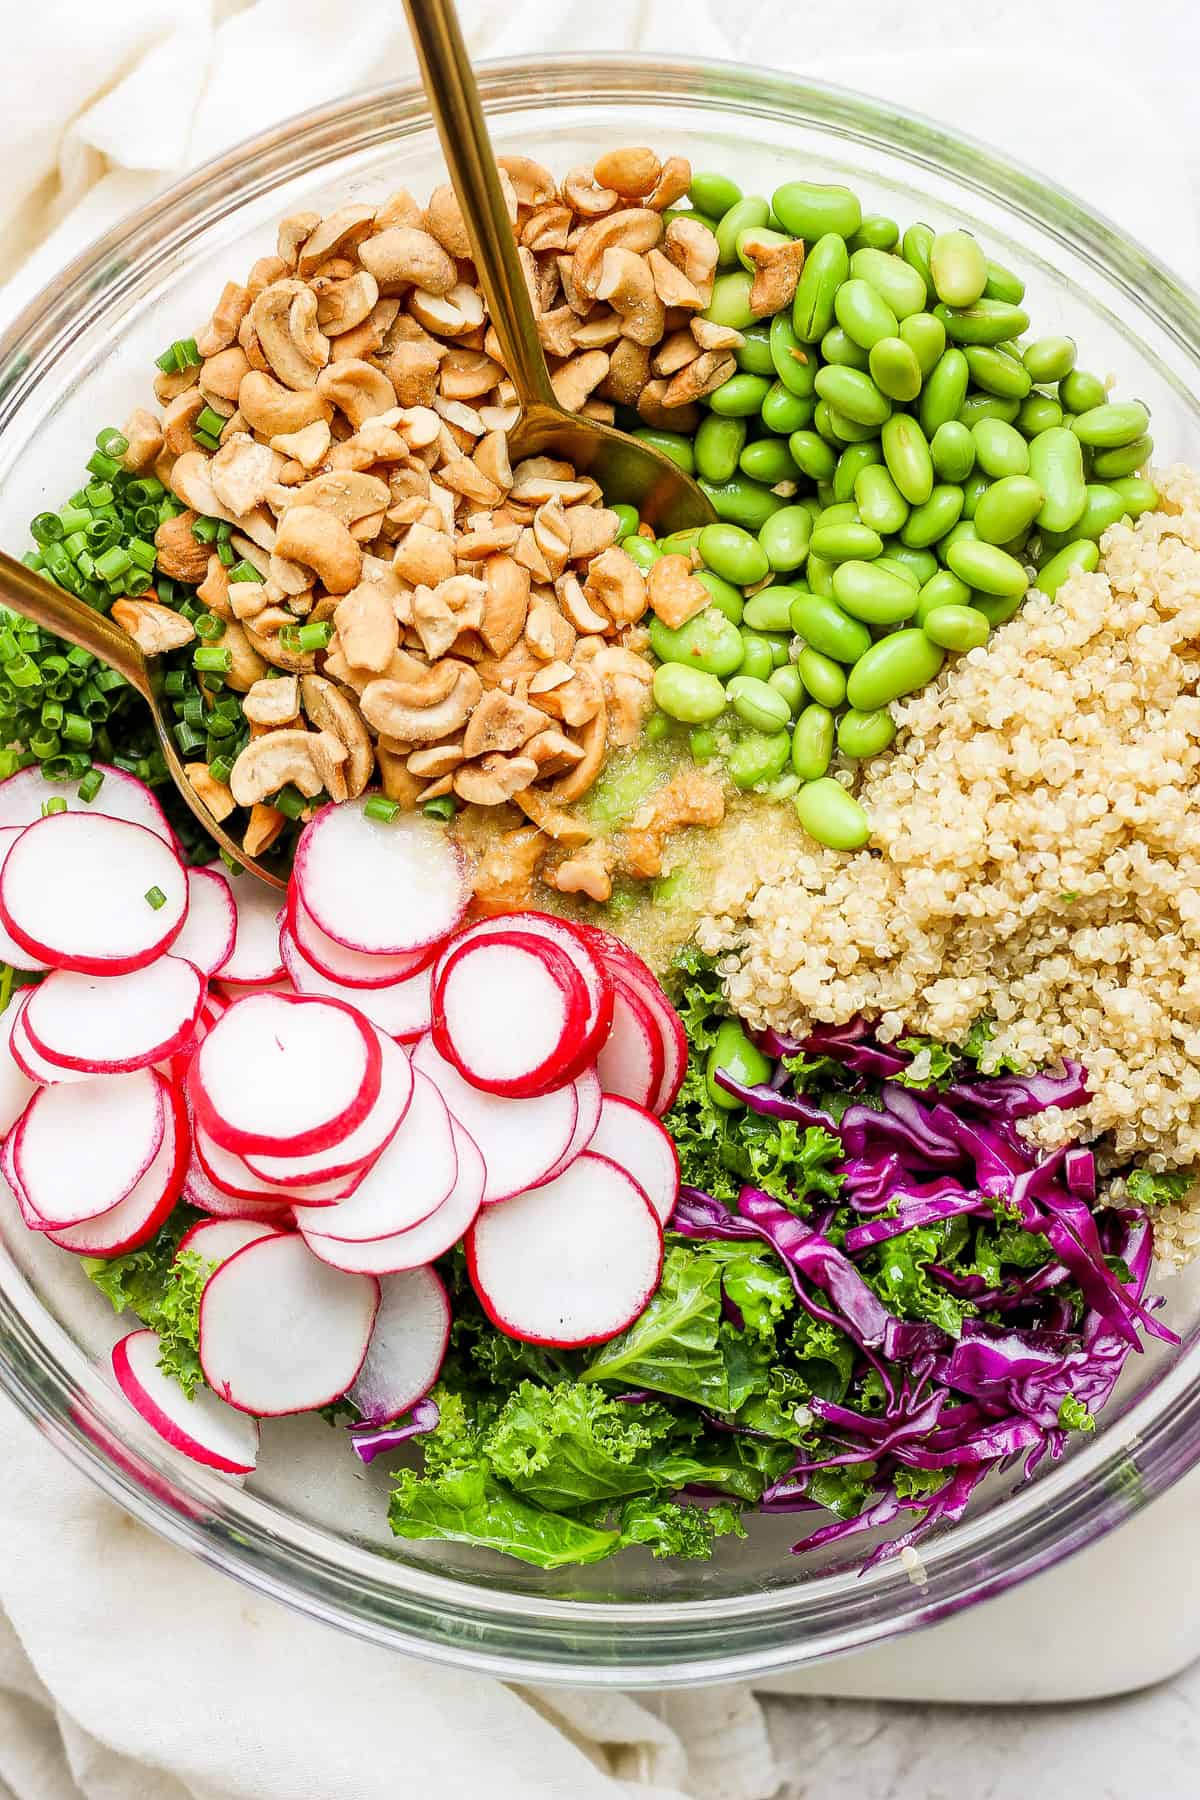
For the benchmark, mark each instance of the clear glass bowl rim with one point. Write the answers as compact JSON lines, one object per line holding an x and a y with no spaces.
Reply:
{"x":478,"y":1625}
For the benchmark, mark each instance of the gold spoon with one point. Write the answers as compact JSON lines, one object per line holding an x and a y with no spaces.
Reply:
{"x":67,"y":617}
{"x":625,"y":468}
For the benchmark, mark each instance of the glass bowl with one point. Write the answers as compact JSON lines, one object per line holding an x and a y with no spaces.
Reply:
{"x":310,"y":1528}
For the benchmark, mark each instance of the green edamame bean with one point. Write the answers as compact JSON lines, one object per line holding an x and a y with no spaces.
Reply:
{"x":940,"y":513}
{"x":768,"y":460}
{"x":709,"y":642}
{"x":998,"y":609}
{"x":825,"y":268}
{"x":702,"y":743}
{"x":785,"y":537}
{"x":894,"y":369}
{"x":997,"y":373}
{"x":896,"y":665}
{"x":844,"y":542}
{"x":915,"y":246}
{"x":734,"y":1055}
{"x":1112,"y":425}
{"x":725,"y":597}
{"x":956,"y":627}
{"x":844,"y":430}
{"x":713,"y":194}
{"x":643,"y":552}
{"x":837,"y":346}
{"x":862,"y":734}
{"x":788,"y":681}
{"x":784,"y":412}
{"x":754,"y":352}
{"x":757,"y":655}
{"x":831,"y":815}
{"x":958,"y":267}
{"x":1002,"y":284}
{"x":795,"y":366}
{"x":753,"y":209}
{"x":1001,"y":450}
{"x":987,"y":567}
{"x":838,"y":512}
{"x":768,"y":609}
{"x":812,"y":455}
{"x":733,"y":554}
{"x":819,"y":575}
{"x":717,"y":445}
{"x":1080,"y":391}
{"x":987,"y":322}
{"x":812,"y":742}
{"x":757,"y":757}
{"x":729,"y":303}
{"x":892,"y":277}
{"x":1138,"y":494}
{"x":978,"y":406}
{"x":918,"y":565}
{"x":820,"y":621}
{"x":953,"y":451}
{"x":689,"y":695}
{"x":1084,"y":554}
{"x":877,"y":232}
{"x":942,"y":589}
{"x":1007,"y":508}
{"x":811,"y":212}
{"x":863,"y":313}
{"x":757,"y":703}
{"x":680,"y":543}
{"x":944,"y":391}
{"x":657,"y":728}
{"x":740,"y":397}
{"x":854,"y":395}
{"x":1048,"y":359}
{"x":1056,"y":464}
{"x":926,"y":338}
{"x":906,"y":453}
{"x":742,"y":502}
{"x":964,"y":531}
{"x":850,"y":464}
{"x":874,"y":595}
{"x":1103,"y":507}
{"x":880,"y":503}
{"x":1038,"y":413}
{"x":627,"y":519}
{"x":673,"y":444}
{"x":824,"y":678}
{"x":1113,"y":465}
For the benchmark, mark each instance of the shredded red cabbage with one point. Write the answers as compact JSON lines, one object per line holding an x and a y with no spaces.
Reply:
{"x":422,"y":1416}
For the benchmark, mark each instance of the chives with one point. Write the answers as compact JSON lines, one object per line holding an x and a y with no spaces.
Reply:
{"x":77,"y":730}
{"x":304,"y":638}
{"x":111,"y":441}
{"x":226,"y":552}
{"x":204,"y":531}
{"x":443,"y":808}
{"x":290,"y":802}
{"x":210,"y":421}
{"x":72,"y":518}
{"x":114,"y":562}
{"x":154,"y":896}
{"x":99,"y":493}
{"x":51,"y":807}
{"x":224,"y":528}
{"x":210,"y":657}
{"x":108,"y":679}
{"x":52,"y":715}
{"x":64,"y":767}
{"x":175,"y":684}
{"x":44,"y":744}
{"x":143,"y":554}
{"x":104,"y":466}
{"x":231,"y":862}
{"x":91,"y":784}
{"x":47,"y":528}
{"x":187,"y":739}
{"x":244,"y":571}
{"x":381,"y":809}
{"x":209,"y":629}
{"x":221,"y":768}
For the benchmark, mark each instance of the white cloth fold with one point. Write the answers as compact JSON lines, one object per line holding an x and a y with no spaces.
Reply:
{"x":128,"y":1670}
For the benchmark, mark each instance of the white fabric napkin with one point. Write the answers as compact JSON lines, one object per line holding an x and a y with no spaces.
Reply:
{"x":128,"y":1670}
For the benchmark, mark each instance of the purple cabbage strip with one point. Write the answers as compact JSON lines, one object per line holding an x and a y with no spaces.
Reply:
{"x":916,"y":1209}
{"x":423,"y":1417}
{"x":1079,"y":1167}
{"x":764,"y":1099}
{"x":1020,"y":1096}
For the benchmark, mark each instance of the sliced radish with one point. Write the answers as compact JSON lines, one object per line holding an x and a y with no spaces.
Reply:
{"x":81,"y":1147}
{"x":16,"y":1088}
{"x":285,"y":1074}
{"x":200,"y":1190}
{"x":570,"y":1263}
{"x":520,"y":1140}
{"x":210,"y":928}
{"x":509,"y":1011}
{"x":237,"y":1180}
{"x":146,"y":1207}
{"x":631,"y":1062}
{"x":35,"y":1067}
{"x":350,"y":967}
{"x":204,"y":1428}
{"x":214,"y":1005}
{"x":588,"y":1097}
{"x":282,"y":1332}
{"x":108,"y":1024}
{"x":382,"y":889}
{"x":255,"y":958}
{"x":363,"y":1145}
{"x":402,"y":1009}
{"x":10,"y":951}
{"x":216,"y":1240}
{"x":571,"y":939}
{"x":408,"y":1343}
{"x":421,"y":1243}
{"x":414,"y":1175}
{"x":92,"y":893}
{"x":121,"y":796}
{"x":637,"y":1143}
{"x":615,"y":952}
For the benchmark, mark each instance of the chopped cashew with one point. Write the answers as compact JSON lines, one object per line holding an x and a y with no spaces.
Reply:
{"x":501,"y":723}
{"x":181,"y":556}
{"x":214,"y":794}
{"x":145,"y":441}
{"x":271,"y":408}
{"x":243,"y":472}
{"x":152,"y":627}
{"x":617,"y":586}
{"x":504,"y":874}
{"x":358,"y":389}
{"x":494,"y":779}
{"x":272,"y":762}
{"x":674,"y":593}
{"x":314,"y":537}
{"x":426,"y":709}
{"x":587,"y":873}
{"x":626,"y":281}
{"x":273,"y":701}
{"x":367,"y":626}
{"x":689,"y":798}
{"x":334,"y":713}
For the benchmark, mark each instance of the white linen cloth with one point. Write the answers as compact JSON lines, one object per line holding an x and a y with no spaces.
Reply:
{"x":128,"y":1670}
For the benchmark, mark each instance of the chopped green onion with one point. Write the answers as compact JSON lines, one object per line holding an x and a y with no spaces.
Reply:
{"x":221,"y":768}
{"x":211,"y":657}
{"x":175,"y":684}
{"x":112,"y":441}
{"x":380,"y":808}
{"x":226,"y":553}
{"x":154,"y":896}
{"x":91,"y":784}
{"x":290,"y":802}
{"x":187,"y":739}
{"x":443,"y":808}
{"x":211,"y":421}
{"x":77,"y":730}
{"x":209,"y":628}
{"x":205,"y":531}
{"x":114,"y":562}
{"x":206,"y":440}
{"x":57,"y":805}
{"x":47,"y":528}
{"x":244,"y":571}
{"x":104,"y":466}
{"x":99,"y":493}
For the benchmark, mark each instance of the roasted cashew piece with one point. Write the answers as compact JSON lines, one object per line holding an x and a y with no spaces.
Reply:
{"x":316,"y":538}
{"x":367,"y":627}
{"x":272,"y":762}
{"x":402,"y":257}
{"x":281,"y":326}
{"x":152,"y":627}
{"x":330,"y":710}
{"x":272,"y":409}
{"x":423,"y":711}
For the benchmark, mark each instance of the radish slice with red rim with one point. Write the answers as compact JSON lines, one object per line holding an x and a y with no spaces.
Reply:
{"x":285,"y":1074}
{"x":16,"y":1087}
{"x":509,"y":1011}
{"x":209,"y":931}
{"x":80,"y":1148}
{"x":571,"y":1263}
{"x":633,"y":1138}
{"x":631,"y":1062}
{"x":234,"y":1177}
{"x":619,"y":958}
{"x":282,"y":1332}
{"x":588,"y":1097}
{"x":421,"y":1243}
{"x":384,"y":889}
{"x":10,"y":951}
{"x":109,"y":1024}
{"x":402,"y":1008}
{"x":409,"y":1181}
{"x":352,"y":968}
{"x":146,"y":1208}
{"x":200,"y":1190}
{"x":92,"y":893}
{"x":572,"y":940}
{"x":520,"y":1140}
{"x":254,"y":960}
{"x":408,"y":1344}
{"x":121,"y":796}
{"x":363,"y":1145}
{"x":203,"y":1428}
{"x":216,"y":1240}
{"x":27,"y":1059}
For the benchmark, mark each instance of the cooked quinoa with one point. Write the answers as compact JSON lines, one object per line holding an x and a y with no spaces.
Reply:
{"x":1035,"y":857}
